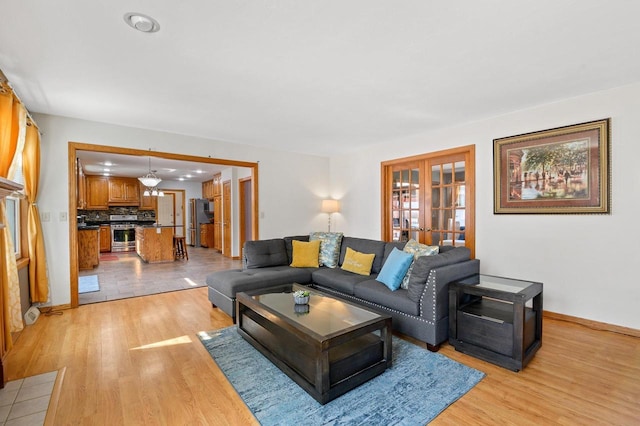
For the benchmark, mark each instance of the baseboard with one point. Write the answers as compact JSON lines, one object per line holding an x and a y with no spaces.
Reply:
{"x":45,"y":309}
{"x":596,"y":325}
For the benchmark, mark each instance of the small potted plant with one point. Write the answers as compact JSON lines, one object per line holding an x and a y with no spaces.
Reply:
{"x":301,"y":297}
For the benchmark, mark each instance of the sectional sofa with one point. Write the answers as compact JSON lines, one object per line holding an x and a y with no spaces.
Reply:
{"x":420,"y":311}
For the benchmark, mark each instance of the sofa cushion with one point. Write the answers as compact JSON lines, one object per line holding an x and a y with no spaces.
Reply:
{"x":288,"y":242}
{"x":305,"y":254}
{"x":423,"y":265}
{"x":417,"y":250}
{"x":358,"y":263}
{"x":378,"y":293}
{"x":264,"y":253}
{"x":329,"y":247}
{"x":337,"y":279}
{"x":364,"y":245}
{"x":231,"y":281}
{"x":395,"y":268}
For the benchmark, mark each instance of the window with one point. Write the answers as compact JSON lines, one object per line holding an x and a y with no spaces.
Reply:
{"x":13,"y":222}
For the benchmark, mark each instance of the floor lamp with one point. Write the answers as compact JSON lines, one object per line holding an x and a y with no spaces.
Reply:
{"x":330,"y":206}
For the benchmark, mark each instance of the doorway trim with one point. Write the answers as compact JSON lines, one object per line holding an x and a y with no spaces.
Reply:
{"x":73,"y":147}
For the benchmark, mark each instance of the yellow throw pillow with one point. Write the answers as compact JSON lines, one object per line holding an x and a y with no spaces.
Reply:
{"x":305,"y":254}
{"x":358,"y":263}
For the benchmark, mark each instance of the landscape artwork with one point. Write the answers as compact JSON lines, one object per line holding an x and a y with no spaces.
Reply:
{"x":563,"y":170}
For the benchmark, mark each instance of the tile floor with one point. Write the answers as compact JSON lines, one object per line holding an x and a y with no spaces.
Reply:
{"x":129,"y":276}
{"x":24,"y":402}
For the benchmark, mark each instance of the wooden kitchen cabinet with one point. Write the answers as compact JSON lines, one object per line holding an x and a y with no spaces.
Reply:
{"x":207,"y":189}
{"x":88,"y":248}
{"x":217,"y":185}
{"x":148,"y":202}
{"x":124,"y":191}
{"x":97,"y":193}
{"x":81,"y":186}
{"x":105,"y":238}
{"x":207,"y":234}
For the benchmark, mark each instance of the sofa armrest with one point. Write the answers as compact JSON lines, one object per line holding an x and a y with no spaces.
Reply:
{"x":434,"y":302}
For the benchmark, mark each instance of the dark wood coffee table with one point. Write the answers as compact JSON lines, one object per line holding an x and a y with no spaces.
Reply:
{"x":328,"y":347}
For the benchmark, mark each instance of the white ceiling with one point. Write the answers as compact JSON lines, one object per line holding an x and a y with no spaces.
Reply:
{"x":100,"y":163}
{"x":320,"y":77}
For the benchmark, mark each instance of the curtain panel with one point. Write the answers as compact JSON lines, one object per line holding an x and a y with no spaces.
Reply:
{"x":10,"y":114}
{"x":38,"y":281}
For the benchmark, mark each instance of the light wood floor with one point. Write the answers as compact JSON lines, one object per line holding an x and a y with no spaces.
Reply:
{"x":139,"y":361}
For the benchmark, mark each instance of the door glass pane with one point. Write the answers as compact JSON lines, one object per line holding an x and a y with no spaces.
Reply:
{"x":460,"y":196}
{"x":396,"y":180}
{"x":435,"y":198}
{"x":448,"y":196}
{"x":435,"y":175}
{"x":459,"y":167}
{"x":447,"y":173}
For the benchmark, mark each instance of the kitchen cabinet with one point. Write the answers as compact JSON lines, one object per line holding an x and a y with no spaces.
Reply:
{"x":105,"y":238}
{"x":88,"y":248}
{"x":97,"y":193}
{"x":207,"y":189}
{"x":217,"y":185}
{"x":81,"y":186}
{"x":155,"y":244}
{"x":124,"y":191}
{"x":148,"y":202}
{"x":207,"y":235}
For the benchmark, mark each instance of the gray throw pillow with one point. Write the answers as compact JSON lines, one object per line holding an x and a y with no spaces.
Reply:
{"x":423,"y":265}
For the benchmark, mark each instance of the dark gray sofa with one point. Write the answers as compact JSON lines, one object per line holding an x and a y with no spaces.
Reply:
{"x":421,"y":311}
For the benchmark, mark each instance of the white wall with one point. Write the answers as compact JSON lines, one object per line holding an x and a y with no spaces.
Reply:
{"x":586,"y":262}
{"x":291,"y":184}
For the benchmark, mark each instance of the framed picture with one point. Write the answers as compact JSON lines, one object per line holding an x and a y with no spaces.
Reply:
{"x":563,"y":170}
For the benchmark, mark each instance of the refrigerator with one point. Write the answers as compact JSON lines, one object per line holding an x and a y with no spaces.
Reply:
{"x":199,"y":213}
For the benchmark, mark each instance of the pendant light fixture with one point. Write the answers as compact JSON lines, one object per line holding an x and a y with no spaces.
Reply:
{"x":151,"y":181}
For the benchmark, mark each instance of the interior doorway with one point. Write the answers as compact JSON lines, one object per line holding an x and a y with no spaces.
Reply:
{"x":74,"y":147}
{"x":246,"y":217}
{"x":430,"y":198}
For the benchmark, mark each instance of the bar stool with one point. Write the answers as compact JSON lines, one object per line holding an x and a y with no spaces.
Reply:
{"x":180,"y":247}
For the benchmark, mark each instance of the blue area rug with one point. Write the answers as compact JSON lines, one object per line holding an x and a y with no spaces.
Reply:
{"x":88,"y":283}
{"x":419,"y":386}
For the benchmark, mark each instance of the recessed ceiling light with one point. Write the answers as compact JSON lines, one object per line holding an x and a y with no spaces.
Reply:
{"x":108,"y":163}
{"x":188,"y":176}
{"x":141,"y":22}
{"x":180,"y":178}
{"x":199,"y":171}
{"x":107,"y":170}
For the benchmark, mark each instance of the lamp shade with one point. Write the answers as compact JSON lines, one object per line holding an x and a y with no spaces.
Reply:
{"x":330,"y":206}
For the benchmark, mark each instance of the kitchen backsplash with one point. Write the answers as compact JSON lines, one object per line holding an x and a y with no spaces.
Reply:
{"x":103,"y":215}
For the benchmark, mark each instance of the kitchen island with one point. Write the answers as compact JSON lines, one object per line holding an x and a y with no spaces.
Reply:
{"x":88,"y":247}
{"x":154,"y":244}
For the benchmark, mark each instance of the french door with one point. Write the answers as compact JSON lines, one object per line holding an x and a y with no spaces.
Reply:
{"x":430,"y":198}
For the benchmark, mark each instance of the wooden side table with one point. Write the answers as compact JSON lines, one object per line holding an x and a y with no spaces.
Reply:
{"x":496,"y":319}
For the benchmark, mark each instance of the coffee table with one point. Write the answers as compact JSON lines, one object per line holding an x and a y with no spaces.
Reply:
{"x":327,"y":347}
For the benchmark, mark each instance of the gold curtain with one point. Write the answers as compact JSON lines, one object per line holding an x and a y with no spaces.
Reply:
{"x":38,"y":281}
{"x":11,"y":115}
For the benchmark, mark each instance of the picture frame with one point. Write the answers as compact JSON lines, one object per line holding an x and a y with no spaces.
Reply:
{"x":565,"y":170}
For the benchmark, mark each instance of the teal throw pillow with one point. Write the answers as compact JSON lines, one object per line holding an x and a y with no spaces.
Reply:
{"x":329,"y":247}
{"x":395,"y":268}
{"x":417,"y":250}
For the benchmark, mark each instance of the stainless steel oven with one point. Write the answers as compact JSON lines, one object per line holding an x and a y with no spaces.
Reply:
{"x":123,"y":232}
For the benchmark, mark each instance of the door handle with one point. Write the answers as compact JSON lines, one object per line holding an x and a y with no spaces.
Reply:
{"x":425,"y":230}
